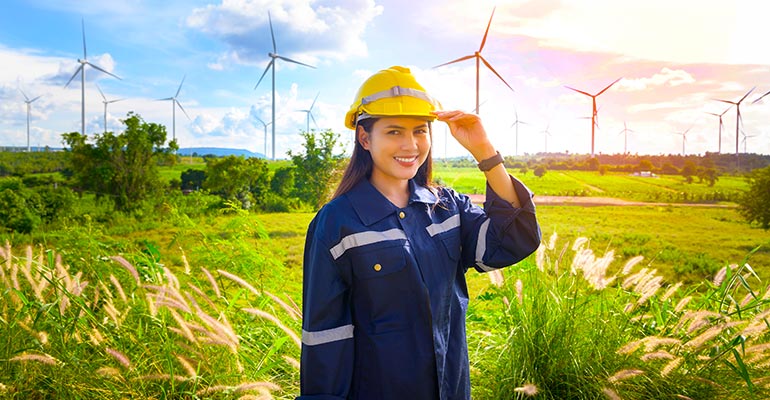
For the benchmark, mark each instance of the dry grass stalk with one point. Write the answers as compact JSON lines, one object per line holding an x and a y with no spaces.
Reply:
{"x":658,"y":355}
{"x":671,"y":366}
{"x":651,"y":343}
{"x":632,"y":279}
{"x":40,"y":358}
{"x":237,"y":279}
{"x":682,"y":304}
{"x":292,"y":361}
{"x":520,"y":291}
{"x":277,"y":322}
{"x":552,"y":241}
{"x":625,"y":374}
{"x":296,"y":315}
{"x":187,"y":270}
{"x":247,"y":386}
{"x":610,"y":394}
{"x":212,"y":281}
{"x":630,"y":264}
{"x":118,"y":287}
{"x":221,"y":330}
{"x":630,"y":347}
{"x":95,"y":337}
{"x":670,"y":292}
{"x":119,"y":357}
{"x":683,"y":397}
{"x":187,"y":365}
{"x":719,"y":277}
{"x":108,"y":371}
{"x":700,"y":340}
{"x":578,"y":243}
{"x":171,"y":278}
{"x":161,"y":377}
{"x":540,"y":258}
{"x":203,"y":295}
{"x":527,"y":389}
{"x":130,"y":268}
{"x":186,"y":332}
{"x":496,"y":277}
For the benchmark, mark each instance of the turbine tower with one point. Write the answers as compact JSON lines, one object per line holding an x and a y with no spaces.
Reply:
{"x":29,"y":103}
{"x":721,"y":125}
{"x":516,"y":123}
{"x":546,"y":133}
{"x":745,"y":136}
{"x":174,"y":104}
{"x":82,"y":70}
{"x":594,"y":113}
{"x":271,"y":65}
{"x":684,"y":138}
{"x":105,"y":101}
{"x":265,"y":125}
{"x":309,"y":113}
{"x":477,"y":55}
{"x":738,"y":119}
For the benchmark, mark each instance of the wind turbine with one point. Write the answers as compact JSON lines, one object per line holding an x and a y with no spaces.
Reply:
{"x":82,"y":69}
{"x":684,"y":138}
{"x":309,"y":113}
{"x":271,"y":65}
{"x":594,"y":113}
{"x":738,"y":119}
{"x":745,"y":136}
{"x":105,"y":101}
{"x":29,"y":103}
{"x":516,"y":123}
{"x":720,"y":126}
{"x":477,"y":55}
{"x":265,"y":126}
{"x":625,"y":137}
{"x":546,"y":133}
{"x":760,"y":98}
{"x":174,"y":104}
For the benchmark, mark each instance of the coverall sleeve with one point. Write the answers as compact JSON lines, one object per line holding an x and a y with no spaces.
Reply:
{"x":499,"y":235}
{"x":326,"y":365}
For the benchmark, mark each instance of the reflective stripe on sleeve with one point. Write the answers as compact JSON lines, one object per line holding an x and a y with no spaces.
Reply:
{"x":481,"y":246}
{"x":364,"y":238}
{"x":449,"y":224}
{"x":327,"y":336}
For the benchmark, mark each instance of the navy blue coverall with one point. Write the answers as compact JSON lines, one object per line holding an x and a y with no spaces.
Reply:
{"x":384,"y":291}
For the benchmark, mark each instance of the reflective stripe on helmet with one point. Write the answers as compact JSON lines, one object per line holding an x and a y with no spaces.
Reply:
{"x":396,"y":91}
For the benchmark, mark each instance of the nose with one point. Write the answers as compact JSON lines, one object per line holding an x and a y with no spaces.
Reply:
{"x":409,"y":141}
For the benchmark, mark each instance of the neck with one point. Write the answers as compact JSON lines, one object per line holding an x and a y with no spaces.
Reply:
{"x":397,"y":191}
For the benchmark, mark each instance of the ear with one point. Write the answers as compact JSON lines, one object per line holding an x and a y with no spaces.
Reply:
{"x":363,"y":137}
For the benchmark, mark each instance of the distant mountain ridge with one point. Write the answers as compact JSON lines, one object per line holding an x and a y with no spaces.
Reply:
{"x":218,"y":151}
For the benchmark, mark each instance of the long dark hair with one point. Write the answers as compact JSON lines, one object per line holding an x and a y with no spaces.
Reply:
{"x":360,"y":165}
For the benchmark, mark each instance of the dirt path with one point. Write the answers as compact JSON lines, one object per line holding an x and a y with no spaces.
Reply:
{"x":598,"y":201}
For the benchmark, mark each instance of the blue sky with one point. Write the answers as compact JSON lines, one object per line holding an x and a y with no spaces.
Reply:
{"x":674,"y":59}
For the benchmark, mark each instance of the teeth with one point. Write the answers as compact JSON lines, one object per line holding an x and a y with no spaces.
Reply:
{"x":405,"y":160}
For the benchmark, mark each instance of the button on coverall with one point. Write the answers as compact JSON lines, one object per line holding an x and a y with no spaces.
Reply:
{"x":384,"y":291}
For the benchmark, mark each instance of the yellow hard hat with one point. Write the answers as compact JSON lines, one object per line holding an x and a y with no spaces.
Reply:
{"x":389,"y":93}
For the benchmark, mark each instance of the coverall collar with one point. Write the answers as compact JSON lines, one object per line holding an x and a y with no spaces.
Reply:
{"x":371,"y":206}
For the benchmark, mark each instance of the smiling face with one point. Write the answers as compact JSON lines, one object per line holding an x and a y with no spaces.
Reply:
{"x":398,"y":146}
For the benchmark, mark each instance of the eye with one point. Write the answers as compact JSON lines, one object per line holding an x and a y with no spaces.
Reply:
{"x":393,"y":132}
{"x":421,"y":131}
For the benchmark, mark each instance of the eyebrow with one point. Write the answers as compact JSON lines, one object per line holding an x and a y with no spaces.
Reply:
{"x":401,"y":127}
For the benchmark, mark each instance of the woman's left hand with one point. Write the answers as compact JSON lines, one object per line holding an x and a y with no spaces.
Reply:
{"x":468,"y":131}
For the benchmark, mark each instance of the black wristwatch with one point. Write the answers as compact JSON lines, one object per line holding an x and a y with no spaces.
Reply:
{"x":491,"y":162}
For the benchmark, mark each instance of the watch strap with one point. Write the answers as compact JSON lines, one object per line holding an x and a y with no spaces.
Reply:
{"x":491,"y":162}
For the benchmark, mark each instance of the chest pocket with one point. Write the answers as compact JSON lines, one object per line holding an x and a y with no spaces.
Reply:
{"x":452,"y":244}
{"x":373,"y":262}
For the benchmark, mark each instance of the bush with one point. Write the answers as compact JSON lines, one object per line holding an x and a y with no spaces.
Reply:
{"x":754,"y":203}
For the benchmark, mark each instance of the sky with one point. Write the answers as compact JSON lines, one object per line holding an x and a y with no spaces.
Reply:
{"x":674,"y":59}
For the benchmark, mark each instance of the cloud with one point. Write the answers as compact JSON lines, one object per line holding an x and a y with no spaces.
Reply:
{"x":666,"y":76}
{"x":307,"y":31}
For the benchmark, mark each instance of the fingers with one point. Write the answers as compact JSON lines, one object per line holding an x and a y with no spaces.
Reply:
{"x":456,"y":116}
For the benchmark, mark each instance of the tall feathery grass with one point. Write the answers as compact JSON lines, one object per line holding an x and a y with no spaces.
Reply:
{"x":566,"y":328}
{"x":121,"y":332}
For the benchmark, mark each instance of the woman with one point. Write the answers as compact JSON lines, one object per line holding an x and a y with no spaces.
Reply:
{"x":384,"y":292}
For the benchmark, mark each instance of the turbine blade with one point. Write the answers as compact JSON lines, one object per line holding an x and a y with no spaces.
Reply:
{"x":454,"y":61}
{"x":166,"y":99}
{"x":260,"y":120}
{"x":100,"y":92}
{"x":313,"y":118}
{"x":103,"y":70}
{"x":180,"y":86}
{"x":272,"y":35}
{"x":579,"y":91}
{"x":182,"y":108}
{"x":83,"y":26}
{"x":727,"y":101}
{"x":25,"y":95}
{"x":760,"y":98}
{"x":746,"y":95}
{"x":74,"y":75}
{"x":270,"y":64}
{"x":484,"y":40}
{"x":608,"y":86}
{"x":114,"y":101}
{"x":312,"y":104}
{"x":33,"y":100}
{"x":493,"y":70}
{"x":294,"y":61}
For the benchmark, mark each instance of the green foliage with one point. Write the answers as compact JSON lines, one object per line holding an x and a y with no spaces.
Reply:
{"x":283,"y":182}
{"x":123,"y":166}
{"x":23,"y":209}
{"x":755,"y":203}
{"x":689,"y":170}
{"x":316,"y":167}
{"x":192,"y":179}
{"x":540,"y":170}
{"x":245,"y":180}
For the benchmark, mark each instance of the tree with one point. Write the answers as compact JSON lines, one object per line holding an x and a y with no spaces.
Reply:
{"x":192,"y":179}
{"x":316,"y":167}
{"x":539,"y":171}
{"x":122,"y":166}
{"x":689,"y":170}
{"x":282,"y":183}
{"x":754,"y":203}
{"x":237,"y":178}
